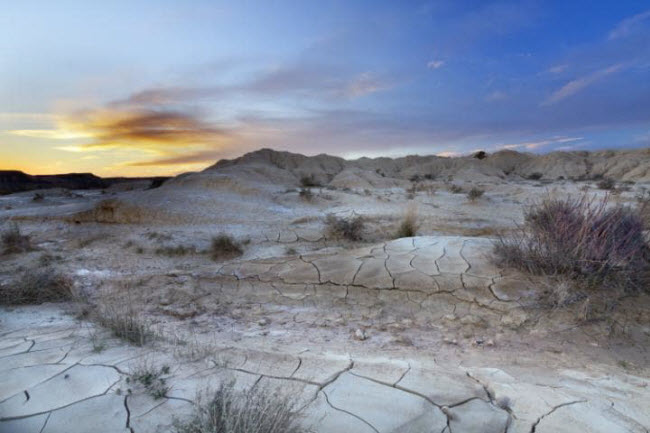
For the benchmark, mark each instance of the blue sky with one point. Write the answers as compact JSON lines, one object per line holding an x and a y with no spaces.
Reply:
{"x":157,"y":87}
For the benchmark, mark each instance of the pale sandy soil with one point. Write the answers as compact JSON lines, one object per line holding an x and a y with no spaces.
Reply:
{"x":419,"y":334}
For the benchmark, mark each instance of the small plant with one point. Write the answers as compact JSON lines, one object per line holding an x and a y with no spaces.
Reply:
{"x":309,"y":181}
{"x":455,"y":189}
{"x":179,"y":250}
{"x":535,"y":176}
{"x":409,"y":225}
{"x":225,"y":247}
{"x":345,"y":228}
{"x":254,"y":411}
{"x":606,"y":184}
{"x":152,"y":379}
{"x":291,"y":251}
{"x":13,"y":241}
{"x":36,"y":286}
{"x":306,"y":194}
{"x":123,"y":321}
{"x":474,"y":194}
{"x":415,"y":178}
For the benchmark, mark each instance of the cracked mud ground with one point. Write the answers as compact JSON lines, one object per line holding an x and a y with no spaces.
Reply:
{"x":447,"y":349}
{"x":414,"y":335}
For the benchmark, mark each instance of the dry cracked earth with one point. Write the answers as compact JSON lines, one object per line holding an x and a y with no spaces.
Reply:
{"x":420,"y":334}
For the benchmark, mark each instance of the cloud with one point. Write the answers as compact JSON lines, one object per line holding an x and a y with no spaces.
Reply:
{"x":539,"y":143}
{"x":435,"y":64}
{"x":365,"y":84}
{"x":557,"y":69}
{"x":575,"y":86}
{"x":497,"y":95}
{"x":628,"y":25}
{"x":199,"y":157}
{"x":153,"y":131}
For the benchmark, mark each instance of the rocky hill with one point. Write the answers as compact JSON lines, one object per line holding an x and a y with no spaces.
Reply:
{"x":622,"y":165}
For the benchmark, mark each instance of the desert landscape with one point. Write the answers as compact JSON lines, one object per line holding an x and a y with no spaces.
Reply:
{"x":331,"y":216}
{"x":366,"y":295}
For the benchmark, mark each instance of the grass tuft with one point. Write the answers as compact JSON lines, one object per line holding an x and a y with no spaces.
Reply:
{"x":37,"y":286}
{"x":13,"y":241}
{"x":345,"y":228}
{"x":225,"y":247}
{"x":409,"y":225}
{"x":253,"y":411}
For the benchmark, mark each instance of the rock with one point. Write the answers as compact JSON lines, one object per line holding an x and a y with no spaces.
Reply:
{"x":360,"y":334}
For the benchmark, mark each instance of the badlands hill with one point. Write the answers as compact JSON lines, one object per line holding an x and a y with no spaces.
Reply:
{"x":625,"y":165}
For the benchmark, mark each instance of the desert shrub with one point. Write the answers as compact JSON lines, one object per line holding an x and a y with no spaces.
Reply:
{"x":409,"y":225}
{"x":36,"y":286}
{"x":345,"y":228}
{"x":455,"y":189}
{"x":415,"y":178}
{"x":430,"y":176}
{"x":253,"y":411}
{"x":607,"y":183}
{"x":123,"y":321}
{"x":13,"y":241}
{"x":582,"y":239}
{"x":481,"y":154}
{"x":534,"y":176}
{"x":177,"y":251}
{"x":151,"y":378}
{"x":474,"y":194}
{"x":306,"y":194}
{"x":309,"y":181}
{"x":224,"y":247}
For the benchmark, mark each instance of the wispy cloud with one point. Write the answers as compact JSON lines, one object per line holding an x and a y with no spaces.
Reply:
{"x":435,"y":64}
{"x":577,"y":85}
{"x":497,"y":95}
{"x":531,"y":145}
{"x":628,"y":25}
{"x":557,"y":69}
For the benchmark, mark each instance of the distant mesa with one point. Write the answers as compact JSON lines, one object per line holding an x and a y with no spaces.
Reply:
{"x":16,"y":181}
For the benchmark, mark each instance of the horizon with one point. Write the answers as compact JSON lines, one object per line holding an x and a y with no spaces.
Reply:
{"x":156,"y":89}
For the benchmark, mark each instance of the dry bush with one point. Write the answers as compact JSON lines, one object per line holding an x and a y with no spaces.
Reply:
{"x":177,"y":251}
{"x":607,"y":184}
{"x":306,"y":194}
{"x":535,"y":176}
{"x":154,"y":380}
{"x":409,"y":225}
{"x":309,"y":181}
{"x":474,"y":194}
{"x":253,"y":411}
{"x":36,"y":286}
{"x":225,"y":247}
{"x":587,"y":241}
{"x":345,"y":228}
{"x":13,"y":241}
{"x":455,"y":189}
{"x":124,"y":322}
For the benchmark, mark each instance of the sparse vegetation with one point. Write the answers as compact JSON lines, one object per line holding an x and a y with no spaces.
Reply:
{"x":455,"y":189}
{"x":606,"y":184}
{"x":254,"y":411}
{"x":474,"y":194}
{"x":345,"y":228}
{"x":225,"y":247}
{"x":584,"y":240}
{"x":409,"y":225}
{"x":306,"y":194}
{"x":152,"y":379}
{"x":36,"y":286}
{"x":13,"y":241}
{"x":177,"y":251}
{"x":535,"y":176}
{"x":309,"y":181}
{"x":123,"y":321}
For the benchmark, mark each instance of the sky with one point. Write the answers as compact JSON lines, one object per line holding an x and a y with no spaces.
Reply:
{"x":162,"y":87}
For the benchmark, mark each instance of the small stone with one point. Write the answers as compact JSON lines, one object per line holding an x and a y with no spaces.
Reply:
{"x":450,"y":340}
{"x":447,"y":412}
{"x":489,"y":343}
{"x":263,"y":322}
{"x":359,"y":334}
